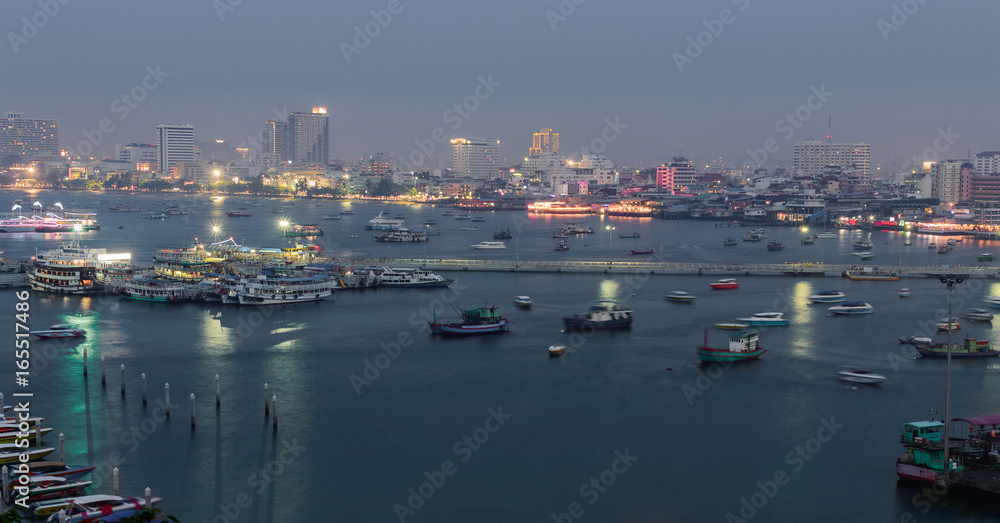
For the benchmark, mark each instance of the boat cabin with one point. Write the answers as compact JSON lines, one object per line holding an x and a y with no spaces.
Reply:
{"x":743,"y":341}
{"x":920,"y":432}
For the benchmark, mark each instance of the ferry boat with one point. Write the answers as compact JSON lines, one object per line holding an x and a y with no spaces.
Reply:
{"x":70,"y":269}
{"x":411,"y":278}
{"x":860,"y":376}
{"x":943,"y":325}
{"x":827,"y":297}
{"x":239,"y":212}
{"x":485,"y":320}
{"x":970,"y":348}
{"x":189,"y":264}
{"x":62,"y":330}
{"x":765,"y":318}
{"x":562,"y":246}
{"x":604,"y":315}
{"x":743,"y":346}
{"x":269,"y":288}
{"x":382,"y":222}
{"x":522,"y":302}
{"x":123,"y":207}
{"x":680,"y":297}
{"x":489,"y":245}
{"x":154,"y":216}
{"x":979,"y":315}
{"x":922,"y":458}
{"x":177,"y":210}
{"x":401,"y":236}
{"x":502,"y":235}
{"x":871,"y":274}
{"x":155,"y":290}
{"x":730,"y":242}
{"x":303,"y":230}
{"x":577,"y":228}
{"x":852,"y":307}
{"x":626,"y":236}
{"x":728,"y":283}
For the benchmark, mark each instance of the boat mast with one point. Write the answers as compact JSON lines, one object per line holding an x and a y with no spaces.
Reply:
{"x":950,"y":280}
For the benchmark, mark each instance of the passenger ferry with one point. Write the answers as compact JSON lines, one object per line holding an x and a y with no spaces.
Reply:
{"x":188,"y":264}
{"x":411,"y":278}
{"x":303,"y":230}
{"x":156,"y":290}
{"x":239,"y":212}
{"x":382,"y":222}
{"x":270,"y":289}
{"x":401,"y":235}
{"x":72,"y":269}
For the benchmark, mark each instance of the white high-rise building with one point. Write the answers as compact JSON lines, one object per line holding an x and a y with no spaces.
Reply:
{"x":28,"y":137}
{"x":987,"y":162}
{"x":476,"y":157}
{"x":175,"y":144}
{"x":137,"y":152}
{"x":812,"y":156}
{"x":951,"y":179}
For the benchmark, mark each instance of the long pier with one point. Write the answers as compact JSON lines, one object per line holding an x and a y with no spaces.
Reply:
{"x":666,"y":268}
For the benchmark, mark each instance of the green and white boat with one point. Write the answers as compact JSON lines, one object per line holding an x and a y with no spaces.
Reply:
{"x":742,"y":347}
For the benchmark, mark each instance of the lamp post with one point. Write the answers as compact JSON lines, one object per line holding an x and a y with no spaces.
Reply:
{"x":802,"y":241}
{"x":284,"y":226}
{"x":610,"y":231}
{"x":950,"y":280}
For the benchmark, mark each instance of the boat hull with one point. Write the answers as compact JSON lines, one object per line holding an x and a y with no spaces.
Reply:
{"x":59,"y":334}
{"x":724,"y":286}
{"x":459,"y":329}
{"x":585,"y":324}
{"x":955,"y":353}
{"x":278,"y":299}
{"x":422,"y":284}
{"x":764,"y":323}
{"x":915,"y":473}
{"x":708,"y":355}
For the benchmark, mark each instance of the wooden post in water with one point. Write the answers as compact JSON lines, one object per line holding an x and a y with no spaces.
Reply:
{"x":103,"y":378}
{"x":265,"y":401}
{"x":218,"y":392}
{"x":6,"y":484}
{"x":123,"y":379}
{"x":192,"y":410}
{"x":85,"y":361}
{"x":62,"y":447}
{"x":114,"y":475}
{"x":38,"y":433}
{"x":149,"y":498}
{"x":166,"y":392}
{"x":143,"y":388}
{"x":274,"y":407}
{"x":62,"y":515}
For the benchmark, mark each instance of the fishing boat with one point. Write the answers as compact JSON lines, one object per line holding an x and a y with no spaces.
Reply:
{"x":728,"y":283}
{"x":62,"y":330}
{"x":489,"y":246}
{"x":239,"y":212}
{"x":633,"y":235}
{"x":970,"y":348}
{"x":523,"y":302}
{"x":730,"y":242}
{"x":905,"y":293}
{"x":411,"y":278}
{"x":979,"y":315}
{"x":855,"y":375}
{"x":382,"y":222}
{"x":765,"y":318}
{"x":680,"y":297}
{"x":852,"y":307}
{"x":557,"y":350}
{"x":731,"y":326}
{"x":502,"y":235}
{"x":986,"y":256}
{"x":865,"y":255}
{"x":871,"y":274}
{"x":775,"y":245}
{"x":743,"y":346}
{"x":485,"y":320}
{"x":604,"y":315}
{"x":154,"y":290}
{"x":401,"y":235}
{"x":943,"y":325}
{"x":297,"y":230}
{"x":154,"y":216}
{"x":561,"y":246}
{"x":827,"y":297}
{"x":636,"y":253}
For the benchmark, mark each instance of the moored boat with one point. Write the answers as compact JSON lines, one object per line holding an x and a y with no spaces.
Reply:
{"x":775,"y":245}
{"x":303,"y":230}
{"x":383,"y":221}
{"x":268,"y":288}
{"x":765,"y":318}
{"x":62,"y":330}
{"x":411,"y":278}
{"x":853,"y":307}
{"x":502,"y":235}
{"x":730,"y":242}
{"x":401,"y":235}
{"x":154,"y":290}
{"x":827,"y":297}
{"x":724,"y":284}
{"x":58,"y":468}
{"x":485,"y":320}
{"x":239,"y":212}
{"x":743,"y":346}
{"x":97,"y":510}
{"x":604,"y":315}
{"x":970,"y":348}
{"x":871,"y":274}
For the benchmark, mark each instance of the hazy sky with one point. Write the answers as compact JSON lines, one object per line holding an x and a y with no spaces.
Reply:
{"x":225,"y":69}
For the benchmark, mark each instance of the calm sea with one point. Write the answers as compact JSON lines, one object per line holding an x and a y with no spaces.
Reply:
{"x":380,"y":421}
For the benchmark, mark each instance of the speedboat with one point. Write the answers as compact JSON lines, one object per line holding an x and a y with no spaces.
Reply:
{"x":859,"y":376}
{"x":864,"y":255}
{"x":332,"y":217}
{"x":680,"y":297}
{"x":853,"y":307}
{"x":979,"y":315}
{"x":489,"y":245}
{"x":992,"y":301}
{"x":827,"y":235}
{"x":63,"y":330}
{"x":731,"y":326}
{"x":470,"y":228}
{"x":916,"y":340}
{"x":728,"y":283}
{"x":987,"y":256}
{"x":604,"y":315}
{"x":944,"y":325}
{"x":96,"y":509}
{"x":557,"y":350}
{"x":523,"y":302}
{"x":904,"y":293}
{"x":765,"y":318}
{"x":827,"y":297}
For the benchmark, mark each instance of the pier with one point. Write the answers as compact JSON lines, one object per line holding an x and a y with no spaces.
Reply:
{"x":14,"y":279}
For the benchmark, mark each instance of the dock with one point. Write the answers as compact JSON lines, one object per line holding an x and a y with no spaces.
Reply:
{"x":13,"y":280}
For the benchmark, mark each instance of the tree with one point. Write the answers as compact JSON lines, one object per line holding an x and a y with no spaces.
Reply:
{"x":11,"y":516}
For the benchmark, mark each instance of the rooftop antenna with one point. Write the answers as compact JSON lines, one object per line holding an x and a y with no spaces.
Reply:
{"x":829,"y":127}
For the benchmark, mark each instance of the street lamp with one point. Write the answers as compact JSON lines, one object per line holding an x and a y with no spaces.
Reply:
{"x":950,"y":280}
{"x":610,"y":230}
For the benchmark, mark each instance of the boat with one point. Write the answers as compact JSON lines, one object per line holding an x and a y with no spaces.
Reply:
{"x":728,"y":283}
{"x":730,"y":242}
{"x":855,"y":375}
{"x":52,"y":228}
{"x":808,"y":240}
{"x":479,"y":219}
{"x":332,"y":217}
{"x":979,"y":315}
{"x":636,"y":253}
{"x":556,"y":350}
{"x":154,"y":216}
{"x":155,"y":290}
{"x":931,"y":245}
{"x":986,"y":256}
{"x":449,"y":213}
{"x":916,"y":340}
{"x":485,"y":320}
{"x":102,"y":511}
{"x":561,"y":246}
{"x":633,"y":235}
{"x":904,"y":293}
{"x":943,"y":249}
{"x":383,"y":221}
{"x":826,"y":235}
{"x":430,"y":222}
{"x":743,"y":346}
{"x":765,"y":318}
{"x":731,"y":326}
{"x":177,"y":210}
{"x":866,"y":255}
{"x":399,"y":217}
{"x":58,"y":468}
{"x":970,"y":348}
{"x":401,"y":236}
{"x":943,"y":325}
{"x":923,"y":456}
{"x":604,"y":315}
{"x":827,"y":297}
{"x":871,"y":274}
{"x":522,"y":302}
{"x":95,"y":502}
{"x":680,"y":297}
{"x":489,"y":246}
{"x":559,"y":234}
{"x":9,"y":434}
{"x":470,"y":228}
{"x":269,"y":288}
{"x":388,"y":277}
{"x":852,"y":307}
{"x":70,"y":269}
{"x":8,"y":456}
{"x":123,"y":207}
{"x":49,"y":487}
{"x":502,"y":235}
{"x":62,"y":330}
{"x":303,"y":230}
{"x":992,"y":301}
{"x":239,"y":212}
{"x":463,"y":217}
{"x":775,"y":245}
{"x":863,"y":245}
{"x":753,"y":237}
{"x":577,"y":228}
{"x":347,"y":213}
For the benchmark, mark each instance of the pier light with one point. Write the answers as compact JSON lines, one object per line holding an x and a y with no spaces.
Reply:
{"x":283,"y":223}
{"x":78,"y":227}
{"x":805,"y":230}
{"x":215,"y":229}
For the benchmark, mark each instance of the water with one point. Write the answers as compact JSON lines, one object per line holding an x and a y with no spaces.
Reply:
{"x":700,"y":442}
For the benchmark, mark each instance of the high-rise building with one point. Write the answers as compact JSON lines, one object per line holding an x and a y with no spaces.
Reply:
{"x":28,"y":137}
{"x":987,"y":162}
{"x":544,"y":141}
{"x":309,"y":136}
{"x":951,"y":180}
{"x":684,"y":173}
{"x":475,"y":157}
{"x":378,"y":163}
{"x":665,"y":178}
{"x":137,"y":152}
{"x":175,"y":144}
{"x":811,"y":156}
{"x":275,"y":140}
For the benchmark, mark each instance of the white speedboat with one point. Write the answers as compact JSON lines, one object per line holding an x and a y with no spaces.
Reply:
{"x":765,"y":318}
{"x":992,"y":301}
{"x":827,"y":297}
{"x":489,"y":246}
{"x":904,"y":293}
{"x":382,"y":222}
{"x":859,"y":376}
{"x":979,"y":315}
{"x":853,"y":307}
{"x":62,"y":330}
{"x":680,"y":297}
{"x":864,"y":255}
{"x":523,"y":302}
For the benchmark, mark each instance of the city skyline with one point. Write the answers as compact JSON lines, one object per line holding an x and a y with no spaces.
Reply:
{"x":705,"y":81}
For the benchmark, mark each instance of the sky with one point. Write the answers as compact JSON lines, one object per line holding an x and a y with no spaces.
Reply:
{"x":638,"y":81}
